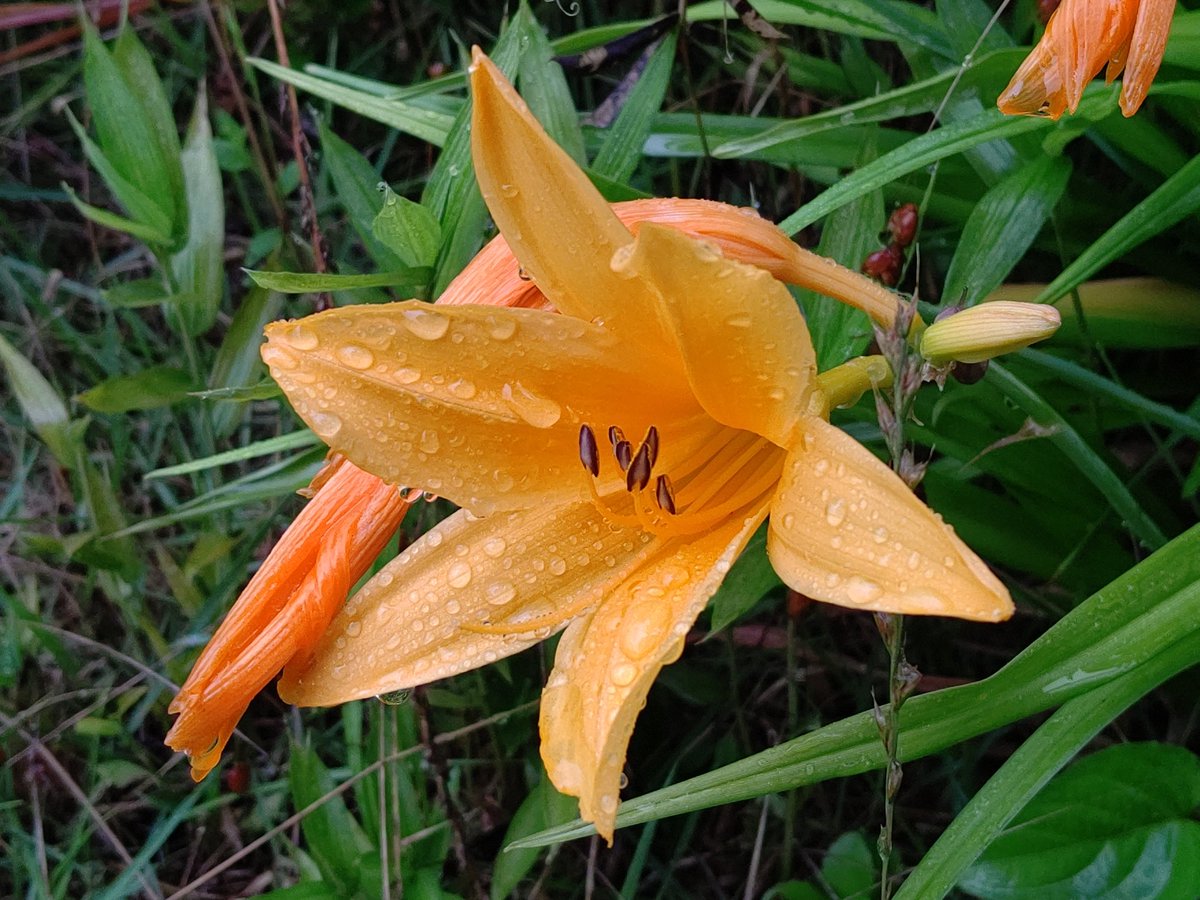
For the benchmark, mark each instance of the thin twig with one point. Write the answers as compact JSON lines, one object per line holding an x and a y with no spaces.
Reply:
{"x":299,"y":151}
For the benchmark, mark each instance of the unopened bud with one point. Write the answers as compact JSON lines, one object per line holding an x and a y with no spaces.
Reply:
{"x":988,"y":330}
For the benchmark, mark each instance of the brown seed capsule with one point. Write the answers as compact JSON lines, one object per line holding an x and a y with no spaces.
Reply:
{"x":589,"y":455}
{"x":902,"y":224}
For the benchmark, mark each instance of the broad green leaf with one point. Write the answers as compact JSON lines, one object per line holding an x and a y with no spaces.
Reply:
{"x":136,"y":294}
{"x":127,"y":132}
{"x":1024,"y":773}
{"x":543,"y":808}
{"x":1150,"y":608}
{"x":137,"y":69}
{"x":143,"y":208}
{"x":880,"y":20}
{"x":198,"y":269}
{"x":237,"y":364}
{"x":1003,"y":225}
{"x":544,"y":87}
{"x":851,"y":866}
{"x":333,"y":837}
{"x":1115,"y":824}
{"x":42,"y":405}
{"x":407,"y":229}
{"x":426,"y":124}
{"x":1069,"y":441}
{"x":411,"y":282}
{"x":150,"y":388}
{"x":357,"y":187}
{"x":294,"y":441}
{"x":452,"y":192}
{"x":1176,"y":198}
{"x":624,"y":139}
{"x":840,"y":331}
{"x":155,"y":237}
{"x":749,"y":579}
{"x":264,"y":389}
{"x":918,"y":152}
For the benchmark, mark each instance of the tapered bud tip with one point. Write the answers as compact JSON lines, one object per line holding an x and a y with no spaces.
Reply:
{"x":988,"y":330}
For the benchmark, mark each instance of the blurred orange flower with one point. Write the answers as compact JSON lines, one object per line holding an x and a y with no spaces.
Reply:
{"x":1081,"y":37}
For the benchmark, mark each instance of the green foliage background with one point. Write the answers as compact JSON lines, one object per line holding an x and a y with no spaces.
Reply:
{"x":147,"y":465}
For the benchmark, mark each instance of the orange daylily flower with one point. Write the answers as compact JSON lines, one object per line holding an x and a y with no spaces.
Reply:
{"x":1082,"y":37}
{"x":706,"y":364}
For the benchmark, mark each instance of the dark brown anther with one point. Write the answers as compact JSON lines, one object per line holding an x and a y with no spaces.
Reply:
{"x":623,"y":451}
{"x":615,"y":435}
{"x":664,"y":494}
{"x":902,"y":224}
{"x":969,"y":373}
{"x":651,"y":444}
{"x":589,"y":455}
{"x":638,"y":474}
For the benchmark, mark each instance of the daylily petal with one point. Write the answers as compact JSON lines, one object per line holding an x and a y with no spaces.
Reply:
{"x":284,"y":608}
{"x":1146,"y":47}
{"x":845,"y":529}
{"x":606,"y":662}
{"x":529,"y":571}
{"x":744,"y":343}
{"x":480,"y":405}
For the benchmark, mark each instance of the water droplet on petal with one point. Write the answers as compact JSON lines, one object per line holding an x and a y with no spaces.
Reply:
{"x":499,"y":593}
{"x":558,"y":565}
{"x":459,"y":575}
{"x":880,"y":535}
{"x":301,"y":337}
{"x":644,"y":627}
{"x":623,"y":675}
{"x":503,"y":328}
{"x":278,"y":358}
{"x":835,"y":512}
{"x":608,"y":804}
{"x":789,"y":520}
{"x":739,"y":320}
{"x":325,"y":425}
{"x":355,"y":357}
{"x":426,"y":323}
{"x":406,"y":375}
{"x":462,"y":389}
{"x":509,"y":190}
{"x":862,"y":591}
{"x":354,"y":629}
{"x":429,"y":441}
{"x":820,"y":467}
{"x":495,"y":546}
{"x":538,"y":411}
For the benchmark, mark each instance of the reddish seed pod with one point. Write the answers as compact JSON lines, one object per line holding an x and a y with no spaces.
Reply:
{"x":902,"y":224}
{"x":884,"y":264}
{"x":237,"y":778}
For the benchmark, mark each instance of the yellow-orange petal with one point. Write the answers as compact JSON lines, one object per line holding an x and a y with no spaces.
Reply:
{"x":477,"y":404}
{"x":606,"y":662}
{"x":845,"y":529}
{"x":1146,"y":46}
{"x":743,"y":341}
{"x":434,"y":611}
{"x":284,"y":609}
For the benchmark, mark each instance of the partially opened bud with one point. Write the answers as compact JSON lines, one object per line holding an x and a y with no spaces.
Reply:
{"x":988,"y":330}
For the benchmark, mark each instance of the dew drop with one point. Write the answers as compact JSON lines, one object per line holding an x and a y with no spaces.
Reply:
{"x":279,"y":358}
{"x":608,"y":804}
{"x":880,"y":535}
{"x":558,"y":566}
{"x":425,"y":323}
{"x":509,"y":190}
{"x":406,"y":375}
{"x":623,"y":675}
{"x":301,"y":337}
{"x":495,"y":546}
{"x":355,"y":356}
{"x":429,"y":441}
{"x":354,"y":629}
{"x":503,"y":481}
{"x":499,"y":593}
{"x":463,"y":389}
{"x":913,"y":561}
{"x":325,"y":425}
{"x":643,"y":628}
{"x":789,"y":520}
{"x":434,"y":538}
{"x":820,"y":467}
{"x":835,"y":512}
{"x":739,"y":320}
{"x":538,"y":411}
{"x":503,"y":328}
{"x":862,"y":591}
{"x":459,"y":575}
